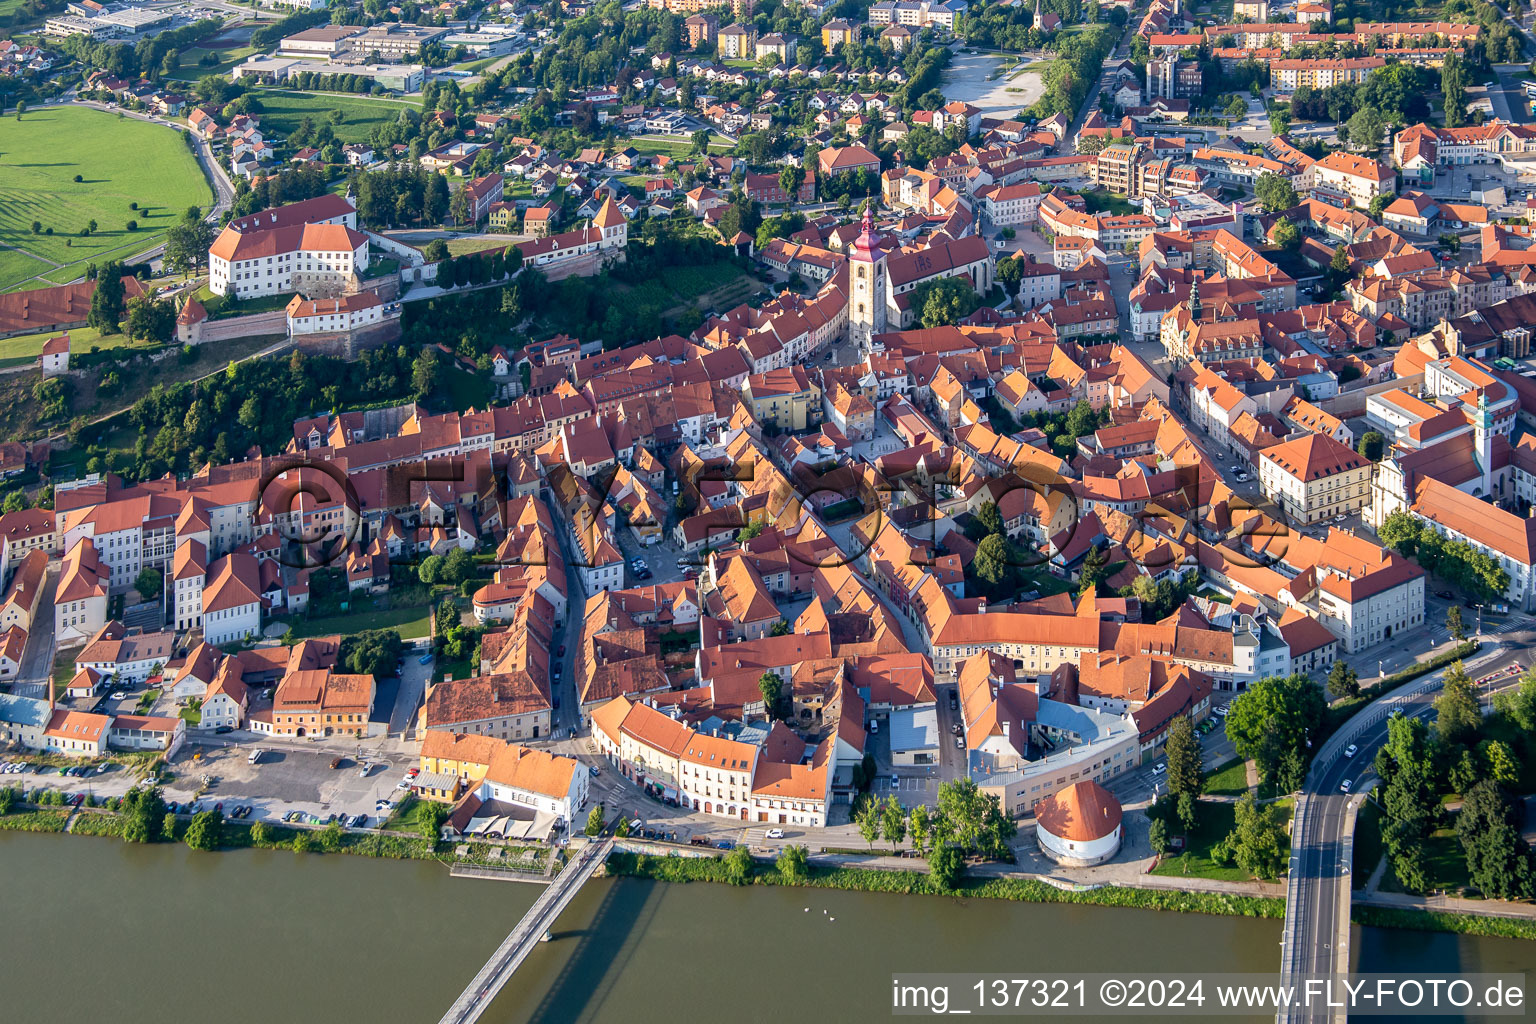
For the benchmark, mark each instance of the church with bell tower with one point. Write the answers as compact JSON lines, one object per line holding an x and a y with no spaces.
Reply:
{"x":868,"y":285}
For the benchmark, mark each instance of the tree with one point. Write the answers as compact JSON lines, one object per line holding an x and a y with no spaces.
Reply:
{"x":1457,"y":712}
{"x":989,"y":518}
{"x":1378,"y":204}
{"x":1092,"y":570}
{"x":595,"y":821}
{"x":991,"y":561}
{"x":1365,"y":129}
{"x":1498,"y":862}
{"x":1458,"y":629}
{"x":331,"y":837}
{"x":1257,"y":844}
{"x":944,"y":301}
{"x":1372,"y":445}
{"x":868,"y":820}
{"x":919,"y":826}
{"x":1157,"y":836}
{"x":436,"y":251}
{"x":945,"y":867}
{"x":893,"y":822}
{"x":430,"y":819}
{"x":1183,"y":752}
{"x":1286,"y":234}
{"x":1450,"y":243}
{"x":1275,"y":192}
{"x":458,"y":566}
{"x":21,"y":108}
{"x":972,"y":819}
{"x":700,"y":141}
{"x":1010,"y":271}
{"x":458,"y":206}
{"x":739,"y":866}
{"x":1453,"y":90}
{"x":1343,"y":681}
{"x":186,"y":244}
{"x":144,"y":815}
{"x":150,"y":319}
{"x":431,"y":569}
{"x":1340,"y":262}
{"x":771,"y":687}
{"x":1236,"y":107}
{"x":148,"y":583}
{"x":794,"y":863}
{"x":424,"y":373}
{"x":206,"y":830}
{"x":790,"y":180}
{"x":1276,"y":715}
{"x":107,"y":300}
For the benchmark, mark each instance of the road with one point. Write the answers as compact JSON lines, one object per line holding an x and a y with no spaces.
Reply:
{"x":1316,"y":937}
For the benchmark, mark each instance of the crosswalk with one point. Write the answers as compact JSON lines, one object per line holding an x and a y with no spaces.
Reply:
{"x":1441,"y":634}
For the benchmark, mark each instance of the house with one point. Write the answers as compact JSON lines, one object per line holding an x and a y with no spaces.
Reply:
{"x":55,"y":356}
{"x":80,"y":603}
{"x":481,"y":194}
{"x":147,"y":732}
{"x":76,"y":733}
{"x":321,"y":702}
{"x":1314,"y":478}
{"x":843,"y":159}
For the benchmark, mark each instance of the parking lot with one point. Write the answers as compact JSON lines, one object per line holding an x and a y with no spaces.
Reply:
{"x":286,"y":779}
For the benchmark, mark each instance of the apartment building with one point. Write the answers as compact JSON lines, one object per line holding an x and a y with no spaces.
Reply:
{"x":1315,"y":478}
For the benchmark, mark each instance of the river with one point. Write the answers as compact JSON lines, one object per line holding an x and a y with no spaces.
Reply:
{"x":97,"y":929}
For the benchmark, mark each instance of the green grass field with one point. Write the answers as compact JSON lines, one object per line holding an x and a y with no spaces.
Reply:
{"x":410,"y":622}
{"x":191,"y":71}
{"x":120,"y":160}
{"x":1230,"y":779}
{"x":27,"y":347}
{"x":283,"y":111}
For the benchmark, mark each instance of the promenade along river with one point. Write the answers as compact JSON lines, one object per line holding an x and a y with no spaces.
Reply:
{"x":94,"y":929}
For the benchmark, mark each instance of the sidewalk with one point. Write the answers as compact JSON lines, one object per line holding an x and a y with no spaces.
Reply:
{"x":1451,"y":904}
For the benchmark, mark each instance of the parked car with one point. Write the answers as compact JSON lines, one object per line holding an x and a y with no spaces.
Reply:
{"x":335,"y":763}
{"x":425,"y":659}
{"x":774,"y":833}
{"x":221,"y":730}
{"x":1160,"y":768}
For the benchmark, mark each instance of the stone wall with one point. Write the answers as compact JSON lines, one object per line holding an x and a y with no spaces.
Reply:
{"x":347,"y":344}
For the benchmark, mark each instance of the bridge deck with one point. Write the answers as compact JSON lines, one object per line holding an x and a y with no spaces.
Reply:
{"x":472,"y":1002}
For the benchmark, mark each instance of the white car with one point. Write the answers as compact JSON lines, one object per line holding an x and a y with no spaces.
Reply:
{"x":1221,"y":711}
{"x":1344,"y":786}
{"x":1351,"y":750}
{"x":403,"y":784}
{"x":774,"y":833}
{"x":1160,"y":768}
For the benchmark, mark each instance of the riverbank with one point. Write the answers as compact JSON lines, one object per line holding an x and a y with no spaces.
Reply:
{"x":1023,"y":890}
{"x":1020,"y":890}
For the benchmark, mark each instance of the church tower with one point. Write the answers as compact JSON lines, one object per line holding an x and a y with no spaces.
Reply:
{"x":868,"y":286}
{"x":1482,"y":435}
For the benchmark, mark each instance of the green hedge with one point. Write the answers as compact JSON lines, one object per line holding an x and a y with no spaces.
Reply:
{"x":712,"y":869}
{"x":1441,"y":921}
{"x":1342,"y":711}
{"x":35,"y":821}
{"x":88,"y":824}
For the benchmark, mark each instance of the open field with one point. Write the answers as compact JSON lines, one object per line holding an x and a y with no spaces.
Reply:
{"x":475,"y":243}
{"x":191,"y":71}
{"x":675,"y":145}
{"x":969,"y":78}
{"x":26,"y":348}
{"x":283,"y":111}
{"x":411,"y":622}
{"x":39,"y":159}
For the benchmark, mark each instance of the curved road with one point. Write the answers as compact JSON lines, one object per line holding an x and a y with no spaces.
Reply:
{"x":223,"y":188}
{"x":1316,"y":937}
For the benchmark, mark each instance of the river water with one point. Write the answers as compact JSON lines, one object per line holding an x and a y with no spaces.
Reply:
{"x":97,"y":929}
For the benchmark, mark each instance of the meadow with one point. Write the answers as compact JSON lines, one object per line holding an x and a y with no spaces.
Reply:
{"x":283,"y":111}
{"x":120,"y":160}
